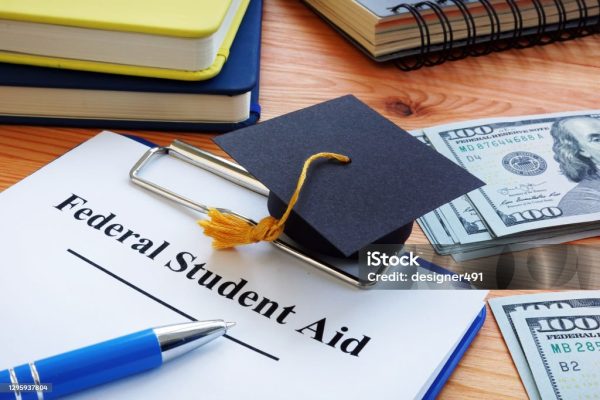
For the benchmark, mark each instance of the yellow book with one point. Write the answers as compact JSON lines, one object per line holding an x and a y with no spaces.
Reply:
{"x":173,"y":39}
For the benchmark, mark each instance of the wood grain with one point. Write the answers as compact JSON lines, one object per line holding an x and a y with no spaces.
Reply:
{"x":304,"y":62}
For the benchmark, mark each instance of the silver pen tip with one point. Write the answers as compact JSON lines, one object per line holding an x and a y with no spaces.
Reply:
{"x":229,"y":324}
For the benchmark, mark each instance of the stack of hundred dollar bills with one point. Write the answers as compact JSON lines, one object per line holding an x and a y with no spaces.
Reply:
{"x":554,"y":340}
{"x":542,"y":175}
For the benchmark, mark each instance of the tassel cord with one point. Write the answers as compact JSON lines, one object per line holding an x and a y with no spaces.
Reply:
{"x":229,"y":230}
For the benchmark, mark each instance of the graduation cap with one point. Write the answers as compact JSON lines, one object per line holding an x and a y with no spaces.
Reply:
{"x":388,"y":179}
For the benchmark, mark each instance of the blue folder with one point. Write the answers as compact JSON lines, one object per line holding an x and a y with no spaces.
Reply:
{"x":459,"y":352}
{"x":239,"y":75}
{"x":461,"y":348}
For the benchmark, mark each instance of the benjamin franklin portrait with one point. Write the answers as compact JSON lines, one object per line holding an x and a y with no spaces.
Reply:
{"x":577,"y":150}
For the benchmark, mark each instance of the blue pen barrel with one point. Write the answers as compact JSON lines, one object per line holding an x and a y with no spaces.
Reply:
{"x":90,"y":366}
{"x":4,"y":381}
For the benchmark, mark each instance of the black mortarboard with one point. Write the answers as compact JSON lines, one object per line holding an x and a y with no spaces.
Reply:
{"x":392,"y":178}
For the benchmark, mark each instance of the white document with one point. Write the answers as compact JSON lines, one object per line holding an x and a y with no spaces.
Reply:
{"x":65,"y":284}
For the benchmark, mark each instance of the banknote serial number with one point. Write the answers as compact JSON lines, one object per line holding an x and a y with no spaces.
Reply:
{"x":578,"y":347}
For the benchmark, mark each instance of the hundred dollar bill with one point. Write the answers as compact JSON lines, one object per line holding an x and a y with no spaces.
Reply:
{"x":466,"y":254}
{"x":505,"y":308}
{"x":438,"y":234}
{"x":540,"y":171}
{"x":465,"y":221}
{"x":563,"y":351}
{"x":459,"y":218}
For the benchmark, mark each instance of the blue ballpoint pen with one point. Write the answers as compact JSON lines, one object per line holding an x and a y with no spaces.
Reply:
{"x":107,"y":361}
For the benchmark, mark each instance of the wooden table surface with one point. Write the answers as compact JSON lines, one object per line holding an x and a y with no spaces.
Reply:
{"x":304,"y":62}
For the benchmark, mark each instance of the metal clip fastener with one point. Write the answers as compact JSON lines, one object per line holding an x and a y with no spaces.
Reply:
{"x":238,"y":175}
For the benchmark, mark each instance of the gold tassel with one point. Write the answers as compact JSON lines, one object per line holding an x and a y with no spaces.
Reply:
{"x":228,"y":230}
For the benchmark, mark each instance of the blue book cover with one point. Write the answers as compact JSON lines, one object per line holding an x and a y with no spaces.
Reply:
{"x":239,"y":75}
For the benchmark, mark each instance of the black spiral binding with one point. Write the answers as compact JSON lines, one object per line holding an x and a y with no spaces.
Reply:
{"x":519,"y":36}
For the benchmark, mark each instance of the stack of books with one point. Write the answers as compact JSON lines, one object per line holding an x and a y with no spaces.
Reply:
{"x":141,"y":64}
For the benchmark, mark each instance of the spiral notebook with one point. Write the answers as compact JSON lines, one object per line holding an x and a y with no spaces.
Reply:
{"x":418,"y":33}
